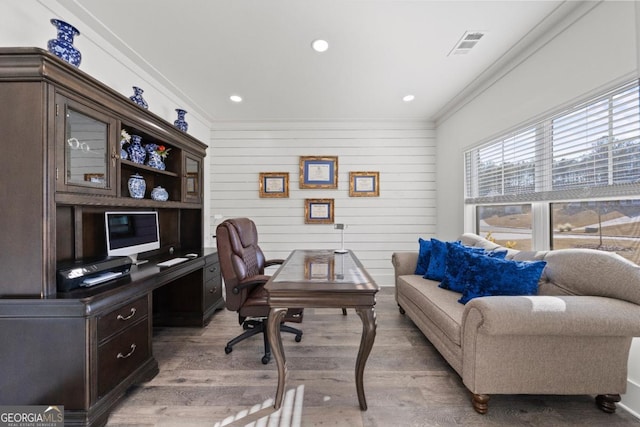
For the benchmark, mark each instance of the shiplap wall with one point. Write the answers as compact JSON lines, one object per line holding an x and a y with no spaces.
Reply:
{"x":403,"y":153}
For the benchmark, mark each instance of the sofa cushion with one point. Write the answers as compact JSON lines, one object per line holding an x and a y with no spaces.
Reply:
{"x":457,"y":272}
{"x":424,"y":255}
{"x":438,"y":261}
{"x":489,"y":276}
{"x":439,"y":305}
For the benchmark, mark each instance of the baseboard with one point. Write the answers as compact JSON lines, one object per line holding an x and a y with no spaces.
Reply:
{"x":631,"y":399}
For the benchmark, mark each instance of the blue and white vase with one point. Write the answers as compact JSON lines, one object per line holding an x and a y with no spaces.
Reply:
{"x":137,"y":97}
{"x":63,"y":47}
{"x":180,"y":123}
{"x":159,"y":194}
{"x":137,"y":153}
{"x":137,"y":186}
{"x":123,"y":152}
{"x":154,"y":159}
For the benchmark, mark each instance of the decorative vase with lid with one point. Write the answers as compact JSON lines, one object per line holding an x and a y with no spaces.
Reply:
{"x":180,"y":123}
{"x":159,"y":194}
{"x":137,"y":97}
{"x":137,"y":186}
{"x":137,"y":153}
{"x":62,"y":46}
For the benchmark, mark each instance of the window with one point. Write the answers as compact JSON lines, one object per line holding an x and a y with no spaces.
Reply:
{"x":506,"y":225}
{"x":612,"y":225}
{"x":586,"y":157}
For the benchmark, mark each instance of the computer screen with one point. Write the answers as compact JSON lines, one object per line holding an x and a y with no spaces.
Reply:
{"x":130,"y":233}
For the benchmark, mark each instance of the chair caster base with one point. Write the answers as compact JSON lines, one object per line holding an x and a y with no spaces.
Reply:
{"x":266,"y":359}
{"x":228,"y":350}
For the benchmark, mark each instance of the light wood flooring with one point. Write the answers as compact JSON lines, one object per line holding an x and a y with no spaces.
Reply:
{"x":407,"y":383}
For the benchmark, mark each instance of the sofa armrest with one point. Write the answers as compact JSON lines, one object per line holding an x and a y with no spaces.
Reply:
{"x":404,"y":263}
{"x":551,"y":315}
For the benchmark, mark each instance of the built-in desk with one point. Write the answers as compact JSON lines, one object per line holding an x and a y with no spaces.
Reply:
{"x":84,"y":348}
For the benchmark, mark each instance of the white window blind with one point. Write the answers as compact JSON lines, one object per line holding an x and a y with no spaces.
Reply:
{"x":590,"y":150}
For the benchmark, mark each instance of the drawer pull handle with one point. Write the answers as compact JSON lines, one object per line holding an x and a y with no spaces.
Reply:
{"x":121,"y":317}
{"x":124,"y":356}
{"x":212,"y":290}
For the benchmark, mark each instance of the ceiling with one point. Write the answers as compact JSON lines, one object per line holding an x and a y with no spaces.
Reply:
{"x":379,"y":51}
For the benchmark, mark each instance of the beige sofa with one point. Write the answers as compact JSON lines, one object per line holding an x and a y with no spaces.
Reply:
{"x":571,"y":338}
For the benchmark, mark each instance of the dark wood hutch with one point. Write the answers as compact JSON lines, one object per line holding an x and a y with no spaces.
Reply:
{"x":61,"y":171}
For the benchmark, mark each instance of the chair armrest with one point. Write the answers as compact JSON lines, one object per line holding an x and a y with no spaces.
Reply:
{"x":270,"y":262}
{"x":404,"y":263}
{"x":551,"y":315}
{"x":250,"y":282}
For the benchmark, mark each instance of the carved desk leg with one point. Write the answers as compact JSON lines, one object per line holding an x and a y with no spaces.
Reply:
{"x":368,"y":317}
{"x":276,"y":315}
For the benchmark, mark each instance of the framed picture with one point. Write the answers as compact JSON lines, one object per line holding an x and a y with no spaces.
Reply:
{"x":364,"y":184}
{"x":274,"y":184}
{"x":318,"y":211}
{"x":318,"y":172}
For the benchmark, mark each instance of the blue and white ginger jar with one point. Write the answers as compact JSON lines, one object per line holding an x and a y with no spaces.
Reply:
{"x":137,"y":153}
{"x":159,"y":194}
{"x":137,"y":186}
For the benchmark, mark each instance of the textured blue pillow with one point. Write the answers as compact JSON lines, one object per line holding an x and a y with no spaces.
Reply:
{"x":456,"y":266}
{"x":424,"y":254}
{"x":490,"y":276}
{"x":437,"y":263}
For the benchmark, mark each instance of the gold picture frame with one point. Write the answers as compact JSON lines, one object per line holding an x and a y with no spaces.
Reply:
{"x":318,"y":211}
{"x":274,"y":184}
{"x":364,"y":184}
{"x":318,"y":172}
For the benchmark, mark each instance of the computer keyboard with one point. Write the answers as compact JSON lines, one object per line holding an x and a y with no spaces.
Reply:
{"x":172,"y":261}
{"x":90,"y":281}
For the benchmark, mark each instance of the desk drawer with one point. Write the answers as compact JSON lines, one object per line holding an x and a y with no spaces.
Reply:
{"x":211,"y":269}
{"x":212,"y":293}
{"x":121,"y":355}
{"x":115,"y":321}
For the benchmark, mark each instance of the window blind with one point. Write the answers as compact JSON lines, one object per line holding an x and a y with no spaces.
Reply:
{"x":589,"y":150}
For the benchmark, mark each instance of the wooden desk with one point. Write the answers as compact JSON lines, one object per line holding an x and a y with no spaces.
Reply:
{"x":321,"y":278}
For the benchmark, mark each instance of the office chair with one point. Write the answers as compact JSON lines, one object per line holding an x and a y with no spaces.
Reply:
{"x":242,"y":264}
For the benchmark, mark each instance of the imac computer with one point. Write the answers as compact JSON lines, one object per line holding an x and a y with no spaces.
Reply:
{"x":131,"y":233}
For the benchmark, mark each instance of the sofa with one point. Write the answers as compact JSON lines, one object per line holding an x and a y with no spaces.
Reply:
{"x":571,"y":337}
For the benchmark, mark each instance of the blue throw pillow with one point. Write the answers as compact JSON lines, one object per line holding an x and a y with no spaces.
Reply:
{"x":424,"y":254}
{"x":490,"y":276}
{"x":456,"y":266}
{"x":437,"y":263}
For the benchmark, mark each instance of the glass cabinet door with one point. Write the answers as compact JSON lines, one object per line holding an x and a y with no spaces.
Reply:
{"x":192,"y":179}
{"x":87,"y":149}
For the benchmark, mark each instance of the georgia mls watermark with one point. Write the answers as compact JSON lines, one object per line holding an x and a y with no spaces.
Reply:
{"x":32,"y":416}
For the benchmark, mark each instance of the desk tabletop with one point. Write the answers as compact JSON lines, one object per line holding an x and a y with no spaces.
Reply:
{"x":317,"y":274}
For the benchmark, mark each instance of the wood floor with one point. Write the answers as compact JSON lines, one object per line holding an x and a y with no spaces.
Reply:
{"x":407,"y":383}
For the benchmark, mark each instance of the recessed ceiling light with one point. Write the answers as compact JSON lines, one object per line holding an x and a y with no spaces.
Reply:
{"x":408,"y":98}
{"x":236,"y":98}
{"x":320,"y":45}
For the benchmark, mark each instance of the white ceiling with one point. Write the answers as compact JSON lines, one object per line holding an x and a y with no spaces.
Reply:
{"x":260,"y":49}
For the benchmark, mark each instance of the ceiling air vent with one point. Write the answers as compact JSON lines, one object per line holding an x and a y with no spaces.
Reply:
{"x":468,"y":40}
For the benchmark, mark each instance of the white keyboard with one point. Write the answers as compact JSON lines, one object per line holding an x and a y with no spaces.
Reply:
{"x":172,"y":261}
{"x":90,"y":281}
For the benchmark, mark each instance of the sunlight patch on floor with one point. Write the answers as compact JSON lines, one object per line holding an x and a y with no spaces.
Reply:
{"x":263,"y":415}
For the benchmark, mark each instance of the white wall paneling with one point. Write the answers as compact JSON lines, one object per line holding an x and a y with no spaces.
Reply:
{"x":403,"y":153}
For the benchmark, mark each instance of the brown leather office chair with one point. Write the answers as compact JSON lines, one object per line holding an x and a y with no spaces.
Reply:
{"x":242,"y":263}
